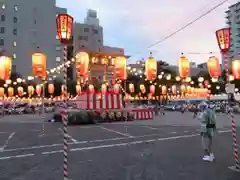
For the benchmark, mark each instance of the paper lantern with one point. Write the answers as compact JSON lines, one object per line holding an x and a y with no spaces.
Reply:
{"x":30,"y":90}
{"x":152,"y":89}
{"x":120,"y":68}
{"x":39,"y":61}
{"x":91,"y":88}
{"x":104,"y":88}
{"x":20,"y":91}
{"x":174,"y":89}
{"x":151,"y":69}
{"x":50,"y":88}
{"x":82,"y":63}
{"x":64,"y":89}
{"x":183,"y":88}
{"x":5,"y":67}
{"x":116,"y":88}
{"x":223,"y":39}
{"x":131,"y":88}
{"x":142,"y":88}
{"x":183,"y":67}
{"x":64,"y":27}
{"x":214,"y":68}
{"x":236,"y":69}
{"x":164,"y":89}
{"x":1,"y":91}
{"x":38,"y":89}
{"x":78,"y":89}
{"x":10,"y":92}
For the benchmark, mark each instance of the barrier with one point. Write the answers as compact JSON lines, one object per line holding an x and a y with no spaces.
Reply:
{"x":99,"y":101}
{"x":143,"y":114}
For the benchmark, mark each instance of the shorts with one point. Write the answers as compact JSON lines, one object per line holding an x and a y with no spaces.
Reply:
{"x":209,"y":133}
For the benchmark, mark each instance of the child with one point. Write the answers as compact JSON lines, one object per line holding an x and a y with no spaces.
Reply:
{"x":208,"y":126}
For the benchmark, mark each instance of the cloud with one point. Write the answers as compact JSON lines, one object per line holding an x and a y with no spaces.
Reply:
{"x":136,"y":24}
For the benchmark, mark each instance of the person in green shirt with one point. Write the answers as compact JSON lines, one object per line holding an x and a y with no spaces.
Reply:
{"x":207,"y":129}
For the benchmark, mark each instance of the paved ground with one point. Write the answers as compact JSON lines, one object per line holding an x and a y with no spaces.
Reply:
{"x":167,"y":148}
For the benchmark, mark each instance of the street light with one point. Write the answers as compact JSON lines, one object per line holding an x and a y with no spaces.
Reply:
{"x":64,"y":30}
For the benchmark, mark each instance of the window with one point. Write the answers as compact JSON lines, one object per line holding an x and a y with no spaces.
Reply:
{"x":80,"y":38}
{"x":95,"y":31}
{"x":58,"y":59}
{"x":86,"y":29}
{"x":14,"y":43}
{"x":15,"y":19}
{"x":2,"y":30}
{"x":3,"y":18}
{"x":34,"y":33}
{"x":1,"y":42}
{"x":15,"y":8}
{"x":14,"y":56}
{"x":35,"y":21}
{"x":85,"y":38}
{"x":15,"y":31}
{"x":3,"y":6}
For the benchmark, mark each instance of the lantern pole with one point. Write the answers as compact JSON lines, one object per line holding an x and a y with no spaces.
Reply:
{"x":42,"y":100}
{"x":224,"y":51}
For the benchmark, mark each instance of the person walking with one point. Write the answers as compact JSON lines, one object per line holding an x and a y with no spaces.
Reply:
{"x":207,"y":129}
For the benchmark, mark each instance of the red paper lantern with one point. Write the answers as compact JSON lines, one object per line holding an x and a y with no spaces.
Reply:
{"x":82,"y":63}
{"x":78,"y":89}
{"x":64,"y":27}
{"x":174,"y":89}
{"x":206,"y":83}
{"x":5,"y":67}
{"x":39,"y":90}
{"x":142,"y":88}
{"x":236,"y":69}
{"x":116,"y":88}
{"x":91,"y":88}
{"x":151,"y":69}
{"x":214,"y":68}
{"x":39,"y":65}
{"x":183,"y":67}
{"x":10,"y":92}
{"x":50,"y":88}
{"x":164,"y":89}
{"x":131,"y":88}
{"x":30,"y":90}
{"x":1,"y":91}
{"x":104,"y":88}
{"x":120,"y":69}
{"x":223,"y":39}
{"x":152,"y":89}
{"x":64,"y":89}
{"x":20,"y":91}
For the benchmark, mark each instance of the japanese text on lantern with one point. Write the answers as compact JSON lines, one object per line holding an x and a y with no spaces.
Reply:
{"x":184,"y":67}
{"x":151,"y":69}
{"x":39,"y":65}
{"x":214,"y":67}
{"x":82,"y":63}
{"x":120,"y":71}
{"x":223,"y":38}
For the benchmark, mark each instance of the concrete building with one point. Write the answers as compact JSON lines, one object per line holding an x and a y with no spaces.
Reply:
{"x":29,"y":26}
{"x":203,"y":66}
{"x":88,"y":37}
{"x":233,"y":21}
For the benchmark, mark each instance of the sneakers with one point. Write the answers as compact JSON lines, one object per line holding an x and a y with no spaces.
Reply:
{"x":209,"y":158}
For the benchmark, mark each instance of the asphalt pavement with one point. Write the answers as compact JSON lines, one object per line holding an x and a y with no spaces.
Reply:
{"x":166,"y":148}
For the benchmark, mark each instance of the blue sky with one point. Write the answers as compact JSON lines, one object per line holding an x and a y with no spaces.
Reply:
{"x":136,"y":24}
